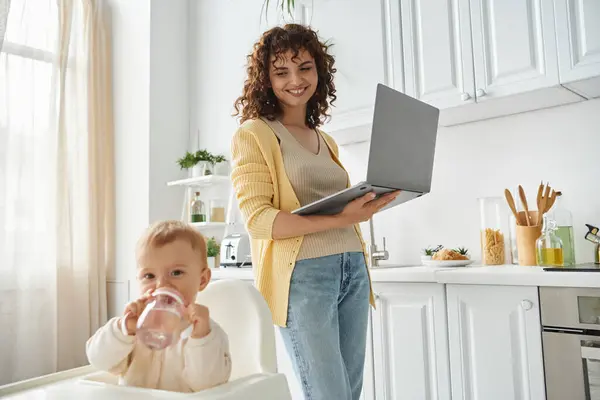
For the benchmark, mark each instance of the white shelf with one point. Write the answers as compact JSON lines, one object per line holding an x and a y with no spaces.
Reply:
{"x":199,"y":181}
{"x":208,"y":224}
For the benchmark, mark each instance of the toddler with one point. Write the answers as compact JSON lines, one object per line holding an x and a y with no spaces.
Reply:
{"x":173,"y":255}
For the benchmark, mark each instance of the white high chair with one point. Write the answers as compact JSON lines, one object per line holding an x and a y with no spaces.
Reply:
{"x":240,"y":310}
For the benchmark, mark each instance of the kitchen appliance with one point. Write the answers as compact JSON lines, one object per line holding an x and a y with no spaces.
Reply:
{"x":571,"y":341}
{"x":593,"y":236}
{"x":235,"y":251}
{"x":585,"y":267}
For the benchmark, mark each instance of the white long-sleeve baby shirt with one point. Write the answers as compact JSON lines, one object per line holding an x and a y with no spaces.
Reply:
{"x":190,"y":365}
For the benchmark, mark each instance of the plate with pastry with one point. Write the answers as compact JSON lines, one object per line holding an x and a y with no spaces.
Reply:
{"x":449,"y":258}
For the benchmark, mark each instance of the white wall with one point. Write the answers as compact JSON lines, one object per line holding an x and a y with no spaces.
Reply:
{"x":559,"y":145}
{"x":131,"y":77}
{"x":150,"y":80}
{"x":169,"y":104}
{"x":214,"y":87}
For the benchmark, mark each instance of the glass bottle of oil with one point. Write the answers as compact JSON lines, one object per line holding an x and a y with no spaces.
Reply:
{"x":549,"y":247}
{"x":564,"y":229}
{"x":197,"y":209}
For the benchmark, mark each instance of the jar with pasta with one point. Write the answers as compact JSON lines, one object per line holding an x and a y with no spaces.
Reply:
{"x":494,"y":227}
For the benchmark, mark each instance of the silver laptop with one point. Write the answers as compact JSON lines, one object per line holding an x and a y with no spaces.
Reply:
{"x":403,"y":137}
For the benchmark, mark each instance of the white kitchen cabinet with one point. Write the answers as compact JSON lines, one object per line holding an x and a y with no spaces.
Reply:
{"x":410,"y":343}
{"x":514,"y":46}
{"x":481,"y":59}
{"x":365,"y":41}
{"x":438,"y":57}
{"x":578,"y":38}
{"x":495,"y":342}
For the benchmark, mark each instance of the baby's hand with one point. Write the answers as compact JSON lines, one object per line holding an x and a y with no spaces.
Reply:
{"x":199,"y":317}
{"x":132,"y":312}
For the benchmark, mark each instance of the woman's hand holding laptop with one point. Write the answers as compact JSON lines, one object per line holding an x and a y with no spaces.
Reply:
{"x":363,"y":208}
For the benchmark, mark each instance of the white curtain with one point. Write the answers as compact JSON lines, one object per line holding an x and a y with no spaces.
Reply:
{"x":4,"y":6}
{"x":56,"y":184}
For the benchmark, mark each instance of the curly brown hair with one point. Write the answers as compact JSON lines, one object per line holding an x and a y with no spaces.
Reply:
{"x":259,"y":100}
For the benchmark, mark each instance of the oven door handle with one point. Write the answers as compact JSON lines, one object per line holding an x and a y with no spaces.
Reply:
{"x":590,"y":353}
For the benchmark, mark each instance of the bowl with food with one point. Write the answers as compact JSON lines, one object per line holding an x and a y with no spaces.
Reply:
{"x":458,"y":257}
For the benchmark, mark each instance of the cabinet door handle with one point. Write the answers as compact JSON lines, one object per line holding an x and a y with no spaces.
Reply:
{"x":465,"y":96}
{"x":480,"y":93}
{"x":527,"y":304}
{"x":376,"y":296}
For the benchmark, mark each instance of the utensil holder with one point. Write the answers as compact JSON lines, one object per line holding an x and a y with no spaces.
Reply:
{"x":526,"y":238}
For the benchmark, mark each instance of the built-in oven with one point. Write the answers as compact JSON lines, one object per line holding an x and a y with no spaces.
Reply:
{"x":571,"y":340}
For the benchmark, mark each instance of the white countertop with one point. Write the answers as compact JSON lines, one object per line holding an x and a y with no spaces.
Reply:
{"x":388,"y":273}
{"x":518,"y":276}
{"x":471,"y":275}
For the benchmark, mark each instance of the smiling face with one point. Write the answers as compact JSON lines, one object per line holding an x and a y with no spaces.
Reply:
{"x":293,"y":79}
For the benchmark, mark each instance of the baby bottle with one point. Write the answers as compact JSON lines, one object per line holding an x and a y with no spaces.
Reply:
{"x":159,"y":325}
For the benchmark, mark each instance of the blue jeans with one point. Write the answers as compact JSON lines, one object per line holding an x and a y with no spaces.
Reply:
{"x":327,"y":325}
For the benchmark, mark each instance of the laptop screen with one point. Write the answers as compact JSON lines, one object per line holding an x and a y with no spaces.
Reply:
{"x":403,"y":138}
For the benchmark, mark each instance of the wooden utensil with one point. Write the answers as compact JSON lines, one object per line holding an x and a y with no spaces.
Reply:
{"x":552,"y":200}
{"x":539,"y":195}
{"x":543,"y":205}
{"x":511,"y":203}
{"x":524,"y":201}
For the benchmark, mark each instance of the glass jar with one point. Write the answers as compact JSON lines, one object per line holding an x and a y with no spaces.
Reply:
{"x":494,"y":224}
{"x":197,"y":210}
{"x":206,"y":168}
{"x":159,"y":325}
{"x":564,"y":229}
{"x":549,"y":247}
{"x":217,"y":210}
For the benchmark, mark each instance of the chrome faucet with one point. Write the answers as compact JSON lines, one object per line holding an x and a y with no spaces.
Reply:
{"x":375,"y":254}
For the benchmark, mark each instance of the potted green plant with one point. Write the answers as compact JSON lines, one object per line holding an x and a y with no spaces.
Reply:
{"x":221,"y":165}
{"x":189,"y":162}
{"x":429,"y":252}
{"x":285,"y":5}
{"x":463,"y":251}
{"x":212,"y":253}
{"x":205,"y":162}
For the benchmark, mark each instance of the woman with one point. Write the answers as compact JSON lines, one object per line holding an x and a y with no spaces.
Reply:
{"x":311,"y":270}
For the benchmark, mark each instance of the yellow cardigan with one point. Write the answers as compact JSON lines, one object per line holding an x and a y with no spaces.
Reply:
{"x":262,"y":190}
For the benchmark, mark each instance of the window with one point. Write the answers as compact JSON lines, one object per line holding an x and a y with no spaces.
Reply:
{"x":25,"y":94}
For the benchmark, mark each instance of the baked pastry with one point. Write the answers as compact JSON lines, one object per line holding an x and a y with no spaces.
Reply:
{"x":448,"y":255}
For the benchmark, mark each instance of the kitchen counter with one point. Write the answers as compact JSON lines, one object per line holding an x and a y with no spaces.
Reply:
{"x":232,"y":273}
{"x":517,"y":276}
{"x":387,"y":273}
{"x":471,"y":275}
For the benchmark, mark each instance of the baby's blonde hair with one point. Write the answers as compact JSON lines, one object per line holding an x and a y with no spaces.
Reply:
{"x":164,"y":232}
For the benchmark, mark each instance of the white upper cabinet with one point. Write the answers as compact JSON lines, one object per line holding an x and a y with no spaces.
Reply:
{"x":460,"y":54}
{"x":514,"y":47}
{"x":438,"y":61}
{"x":578,"y":37}
{"x":366,"y":50}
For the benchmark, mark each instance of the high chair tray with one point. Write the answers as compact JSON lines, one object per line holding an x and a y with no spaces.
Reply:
{"x":87,"y":384}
